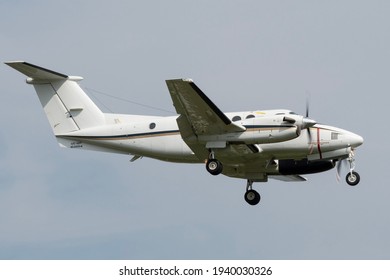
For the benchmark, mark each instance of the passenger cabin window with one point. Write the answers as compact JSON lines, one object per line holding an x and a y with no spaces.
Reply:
{"x":250,"y":116}
{"x":152,"y":125}
{"x":236,"y":118}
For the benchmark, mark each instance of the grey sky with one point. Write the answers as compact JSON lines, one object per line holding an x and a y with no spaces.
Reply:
{"x":66,"y":204}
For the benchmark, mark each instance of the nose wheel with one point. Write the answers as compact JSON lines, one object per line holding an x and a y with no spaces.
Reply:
{"x":352,"y":178}
{"x":251,"y":196}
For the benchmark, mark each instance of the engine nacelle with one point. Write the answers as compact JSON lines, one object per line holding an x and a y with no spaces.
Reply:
{"x":262,"y":130}
{"x":298,"y":167}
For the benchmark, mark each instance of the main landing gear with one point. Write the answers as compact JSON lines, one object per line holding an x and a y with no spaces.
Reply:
{"x":251,"y":196}
{"x":213,"y":166}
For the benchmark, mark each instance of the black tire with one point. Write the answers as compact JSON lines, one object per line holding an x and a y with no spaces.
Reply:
{"x":214,"y":167}
{"x":352,"y":179}
{"x":252,"y":197}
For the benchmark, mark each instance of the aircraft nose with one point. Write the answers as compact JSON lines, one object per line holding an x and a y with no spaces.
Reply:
{"x":355,"y":140}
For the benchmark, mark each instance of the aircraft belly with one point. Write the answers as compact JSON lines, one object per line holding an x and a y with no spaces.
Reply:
{"x":242,"y":163}
{"x":256,"y":171}
{"x":167,"y":148}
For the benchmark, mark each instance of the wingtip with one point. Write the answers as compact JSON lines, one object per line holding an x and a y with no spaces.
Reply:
{"x":189,"y":80}
{"x":14,"y":62}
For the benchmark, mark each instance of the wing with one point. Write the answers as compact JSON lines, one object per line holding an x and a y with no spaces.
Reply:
{"x":198,"y":114}
{"x":288,"y":178}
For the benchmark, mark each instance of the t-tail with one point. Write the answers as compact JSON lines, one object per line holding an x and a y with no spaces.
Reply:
{"x":67,"y":106}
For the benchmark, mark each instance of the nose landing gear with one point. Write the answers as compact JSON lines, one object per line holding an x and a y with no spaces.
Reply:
{"x":352,"y":178}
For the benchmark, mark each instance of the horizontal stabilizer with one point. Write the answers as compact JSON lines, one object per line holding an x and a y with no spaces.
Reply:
{"x":36,"y":72}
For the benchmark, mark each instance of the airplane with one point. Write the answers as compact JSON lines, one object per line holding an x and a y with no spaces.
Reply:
{"x":252,"y":145}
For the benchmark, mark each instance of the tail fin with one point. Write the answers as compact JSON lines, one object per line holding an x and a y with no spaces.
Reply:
{"x":67,"y":106}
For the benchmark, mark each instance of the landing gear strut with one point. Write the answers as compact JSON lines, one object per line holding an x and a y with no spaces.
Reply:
{"x":251,"y":196}
{"x":352,"y":178}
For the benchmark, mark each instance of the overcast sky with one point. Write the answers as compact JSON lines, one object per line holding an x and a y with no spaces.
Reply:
{"x":245,"y":55}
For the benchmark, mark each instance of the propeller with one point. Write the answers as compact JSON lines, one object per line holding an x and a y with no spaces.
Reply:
{"x":349,"y":160}
{"x":307,"y":106}
{"x":304,"y":123}
{"x":338,"y":168}
{"x":339,"y":165}
{"x":307,"y":122}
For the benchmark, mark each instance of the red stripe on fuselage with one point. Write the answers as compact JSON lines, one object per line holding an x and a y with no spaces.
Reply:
{"x":319,"y":143}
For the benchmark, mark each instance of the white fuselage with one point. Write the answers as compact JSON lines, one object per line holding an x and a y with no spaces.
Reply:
{"x":159,"y":138}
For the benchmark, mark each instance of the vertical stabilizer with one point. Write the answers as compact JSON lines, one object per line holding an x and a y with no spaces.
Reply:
{"x":67,"y":106}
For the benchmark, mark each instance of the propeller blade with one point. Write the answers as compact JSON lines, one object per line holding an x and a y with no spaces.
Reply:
{"x":307,"y":122}
{"x":307,"y":105}
{"x":338,"y":170}
{"x":340,"y":163}
{"x":307,"y":109}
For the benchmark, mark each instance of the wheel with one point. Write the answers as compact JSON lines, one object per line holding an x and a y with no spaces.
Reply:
{"x":214,"y":166}
{"x":353,"y":178}
{"x":252,"y":197}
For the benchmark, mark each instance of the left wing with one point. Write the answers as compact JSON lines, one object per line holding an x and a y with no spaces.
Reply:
{"x":198,"y":114}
